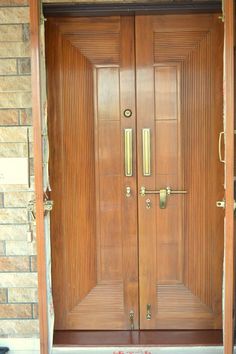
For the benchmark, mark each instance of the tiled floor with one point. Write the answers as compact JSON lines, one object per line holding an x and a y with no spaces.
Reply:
{"x":148,"y":350}
{"x":120,"y":350}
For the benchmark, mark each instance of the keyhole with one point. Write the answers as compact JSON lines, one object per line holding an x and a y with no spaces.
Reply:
{"x":148,"y":203}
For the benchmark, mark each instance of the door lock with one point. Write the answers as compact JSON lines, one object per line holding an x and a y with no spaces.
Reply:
{"x":164,"y":193}
{"x":148,"y":204}
{"x":148,"y":314}
{"x":128,"y":192}
{"x":127,"y":113}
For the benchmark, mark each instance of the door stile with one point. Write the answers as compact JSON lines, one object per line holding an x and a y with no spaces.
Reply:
{"x":174,"y":87}
{"x":129,"y":192}
{"x":229,"y":176}
{"x":145,"y":120}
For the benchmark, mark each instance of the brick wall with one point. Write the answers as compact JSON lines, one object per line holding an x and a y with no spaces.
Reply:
{"x":18,"y":278}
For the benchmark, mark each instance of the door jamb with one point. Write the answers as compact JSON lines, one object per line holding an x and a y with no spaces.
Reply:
{"x":229,"y":176}
{"x":38,"y":173}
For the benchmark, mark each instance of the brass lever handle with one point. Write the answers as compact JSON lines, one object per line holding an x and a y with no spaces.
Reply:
{"x":164,"y":193}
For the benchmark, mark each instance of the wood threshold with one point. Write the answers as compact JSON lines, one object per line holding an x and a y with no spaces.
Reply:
{"x":138,"y":338}
{"x":105,"y":9}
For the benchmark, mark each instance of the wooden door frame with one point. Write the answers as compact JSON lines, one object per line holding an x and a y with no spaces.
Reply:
{"x":229,"y":273}
{"x":138,"y":8}
{"x":35,"y":17}
{"x":38,"y":174}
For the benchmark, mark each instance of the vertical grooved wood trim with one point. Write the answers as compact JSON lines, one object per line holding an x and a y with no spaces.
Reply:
{"x":38,"y":172}
{"x":229,"y":193}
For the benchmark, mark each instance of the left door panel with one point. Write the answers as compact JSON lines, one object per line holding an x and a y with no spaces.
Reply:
{"x":90,"y":78}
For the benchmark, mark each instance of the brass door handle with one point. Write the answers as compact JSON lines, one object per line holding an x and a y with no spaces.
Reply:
{"x":164,"y":193}
{"x":219,"y":147}
{"x":128,"y":148}
{"x":146,"y":141}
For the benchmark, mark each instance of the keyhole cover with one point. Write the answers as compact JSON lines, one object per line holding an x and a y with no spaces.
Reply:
{"x":127,"y":113}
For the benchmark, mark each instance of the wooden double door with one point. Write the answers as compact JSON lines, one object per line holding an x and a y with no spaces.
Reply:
{"x":135,"y":111}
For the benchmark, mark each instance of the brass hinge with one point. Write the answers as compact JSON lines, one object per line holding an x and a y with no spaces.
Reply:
{"x":221,"y":204}
{"x":42,"y":19}
{"x":222,"y":16}
{"x":47,"y":205}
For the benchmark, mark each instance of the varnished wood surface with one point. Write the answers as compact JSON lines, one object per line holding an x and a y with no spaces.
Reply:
{"x":94,"y":244}
{"x":129,"y":338}
{"x":229,"y":177}
{"x":91,"y":79}
{"x":35,"y":16}
{"x":182,"y":244}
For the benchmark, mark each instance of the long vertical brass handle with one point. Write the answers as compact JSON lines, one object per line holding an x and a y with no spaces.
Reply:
{"x":128,"y":152}
{"x":146,"y":138}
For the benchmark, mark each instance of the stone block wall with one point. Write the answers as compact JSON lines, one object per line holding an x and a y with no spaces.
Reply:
{"x":18,"y":278}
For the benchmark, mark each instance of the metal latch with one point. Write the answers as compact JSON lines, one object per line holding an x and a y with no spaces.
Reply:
{"x":221,"y":204}
{"x":47,"y":204}
{"x":164,"y":193}
{"x":148,"y":313}
{"x":131,"y":318}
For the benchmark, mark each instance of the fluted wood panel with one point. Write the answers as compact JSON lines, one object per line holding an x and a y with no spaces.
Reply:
{"x":79,"y":156}
{"x":89,"y":229}
{"x":196,"y":127}
{"x":97,"y":47}
{"x":71,"y":188}
{"x":106,"y":298}
{"x":176,"y":46}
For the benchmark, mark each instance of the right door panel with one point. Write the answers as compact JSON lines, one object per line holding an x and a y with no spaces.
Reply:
{"x":179,"y":101}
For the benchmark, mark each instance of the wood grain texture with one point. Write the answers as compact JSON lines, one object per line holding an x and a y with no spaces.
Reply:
{"x":179,"y":97}
{"x":204,"y":222}
{"x":94,"y":245}
{"x":229,"y":27}
{"x":188,"y":119}
{"x":38,"y":174}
